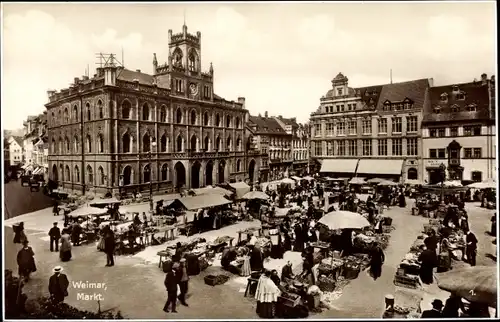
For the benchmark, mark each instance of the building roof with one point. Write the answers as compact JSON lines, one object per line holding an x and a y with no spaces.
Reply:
{"x":475,"y":93}
{"x":18,"y":139}
{"x":414,"y":90}
{"x":266,"y":125}
{"x":289,"y":121}
{"x":129,"y":76}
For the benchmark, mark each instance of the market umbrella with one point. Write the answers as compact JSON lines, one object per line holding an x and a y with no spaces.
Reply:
{"x":255,"y":195}
{"x":387,"y":183}
{"x":475,"y":284}
{"x":344,"y":220}
{"x":287,"y":181}
{"x":357,"y":180}
{"x":101,"y":203}
{"x":375,"y":180}
{"x":487,"y":184}
{"x":86,"y":211}
{"x":452,"y":183}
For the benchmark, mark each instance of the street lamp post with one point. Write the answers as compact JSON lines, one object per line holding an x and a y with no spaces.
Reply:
{"x":153,"y":145}
{"x":442,"y":169}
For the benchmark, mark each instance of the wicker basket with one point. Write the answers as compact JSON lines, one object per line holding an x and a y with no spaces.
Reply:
{"x":326,"y":284}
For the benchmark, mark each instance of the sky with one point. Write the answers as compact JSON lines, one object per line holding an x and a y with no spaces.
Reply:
{"x":281,"y":56}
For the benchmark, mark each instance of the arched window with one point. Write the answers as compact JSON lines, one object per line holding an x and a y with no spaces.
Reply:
{"x":192,"y":61}
{"x":164,"y":172}
{"x":237,"y":122}
{"x":126,"y":143}
{"x":89,"y":144}
{"x":163,"y":114}
{"x":412,"y":174}
{"x":89,"y":116}
{"x":53,"y":119}
{"x":77,"y":174}
{"x":127,"y":175}
{"x":163,"y":143}
{"x":53,"y":147}
{"x":90,"y":175}
{"x":126,"y":107}
{"x":100,"y":143}
{"x":229,"y":144}
{"x":217,"y":143}
{"x":67,"y":174}
{"x":66,"y":116}
{"x":238,"y":165}
{"x":145,"y":112}
{"x":76,"y":144}
{"x":100,"y":172}
{"x":194,"y":147}
{"x":205,"y":143}
{"x":60,"y":149}
{"x":217,"y":120}
{"x":147,"y":173}
{"x":61,"y":171}
{"x":100,"y":108}
{"x":75,"y":113}
{"x":205,"y":119}
{"x":146,"y":143}
{"x":178,"y":145}
{"x":68,"y":145}
{"x":59,"y":118}
{"x":178,"y":116}
{"x":238,"y":144}
{"x":228,"y":121}
{"x":193,"y":117}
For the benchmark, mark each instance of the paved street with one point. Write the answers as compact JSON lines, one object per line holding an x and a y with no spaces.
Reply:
{"x":136,"y":283}
{"x":20,"y":200}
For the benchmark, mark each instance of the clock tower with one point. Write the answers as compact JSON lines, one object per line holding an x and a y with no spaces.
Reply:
{"x":182,"y":73}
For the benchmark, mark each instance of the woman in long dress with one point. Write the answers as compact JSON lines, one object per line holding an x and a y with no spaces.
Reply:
{"x":26,"y":261}
{"x":246,"y":270}
{"x":266,"y":295}
{"x":65,"y":250}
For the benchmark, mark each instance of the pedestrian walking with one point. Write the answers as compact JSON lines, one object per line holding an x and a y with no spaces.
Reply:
{"x":65,"y":250}
{"x":55,"y":209}
{"x":471,"y":248}
{"x":58,"y":285}
{"x":183,"y":281}
{"x":26,"y":261}
{"x":428,"y":260}
{"x":171,"y":286}
{"x":75,"y":233}
{"x":109,"y":246}
{"x":377,"y":259}
{"x":55,"y":235}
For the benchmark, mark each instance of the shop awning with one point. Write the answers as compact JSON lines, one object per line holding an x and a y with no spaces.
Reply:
{"x":241,"y":189}
{"x":203,"y":201}
{"x":209,"y":190}
{"x":339,"y":165}
{"x":388,"y":167}
{"x":38,"y":171}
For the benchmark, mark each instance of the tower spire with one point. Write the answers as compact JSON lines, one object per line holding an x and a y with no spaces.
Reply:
{"x":184,"y":17}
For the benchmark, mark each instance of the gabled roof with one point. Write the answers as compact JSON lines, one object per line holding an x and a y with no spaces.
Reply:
{"x":266,"y":125}
{"x":414,"y":91}
{"x":289,"y":121}
{"x":18,"y":139}
{"x":475,"y":93}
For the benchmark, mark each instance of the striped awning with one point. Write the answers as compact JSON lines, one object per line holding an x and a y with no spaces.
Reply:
{"x":38,"y":170}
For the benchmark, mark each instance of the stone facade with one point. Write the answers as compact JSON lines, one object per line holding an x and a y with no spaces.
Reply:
{"x":124,"y":128}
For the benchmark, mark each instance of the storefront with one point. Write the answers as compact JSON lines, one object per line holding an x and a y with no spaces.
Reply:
{"x":339,"y":167}
{"x":386,"y":169}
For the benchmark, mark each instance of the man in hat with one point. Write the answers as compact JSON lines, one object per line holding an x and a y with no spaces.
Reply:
{"x":55,"y":235}
{"x":183,"y":281}
{"x":435,"y":312}
{"x":58,"y":285}
{"x":75,"y":232}
{"x":471,"y":247}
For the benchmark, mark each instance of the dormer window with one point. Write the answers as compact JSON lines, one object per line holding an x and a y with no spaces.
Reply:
{"x":339,"y":91}
{"x":461,"y":96}
{"x":444,"y":97}
{"x":387,"y":106}
{"x":472,"y":107}
{"x":455,"y":88}
{"x":454,"y":108}
{"x":437,"y":110}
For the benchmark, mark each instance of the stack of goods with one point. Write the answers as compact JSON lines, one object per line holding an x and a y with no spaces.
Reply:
{"x":263,"y":242}
{"x":213,"y":280}
{"x":366,"y":241}
{"x":409,"y":265}
{"x":326,"y":283}
{"x":221,"y":240}
{"x":361,"y":260}
{"x":351,"y":270}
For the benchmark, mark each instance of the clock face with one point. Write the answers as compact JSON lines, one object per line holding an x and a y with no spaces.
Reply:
{"x":193,"y":88}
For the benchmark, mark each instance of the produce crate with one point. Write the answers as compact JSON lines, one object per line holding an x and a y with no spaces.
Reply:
{"x":407,"y":281}
{"x":289,"y":299}
{"x":351,"y":272}
{"x":386,"y":229}
{"x":213,"y":280}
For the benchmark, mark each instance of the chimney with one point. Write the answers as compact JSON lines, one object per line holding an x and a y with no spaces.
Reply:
{"x":77,"y":80}
{"x":100,"y":72}
{"x":431,"y":82}
{"x":241,"y":100}
{"x":85,"y":78}
{"x":484,"y":78}
{"x":50,"y":93}
{"x":280,"y":117}
{"x":265,"y":114}
{"x":294,"y":119}
{"x":138,"y":70}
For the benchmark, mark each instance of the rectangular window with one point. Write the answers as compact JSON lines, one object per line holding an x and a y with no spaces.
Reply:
{"x":367,"y":147}
{"x":433,"y":133}
{"x":329,"y":129}
{"x":454,"y":131}
{"x":477,"y":153}
{"x":396,"y":125}
{"x":411,"y":124}
{"x":472,"y":130}
{"x":433,"y":153}
{"x":318,"y":151}
{"x":341,"y":148}
{"x":382,"y":125}
{"x":352,"y":148}
{"x":411,"y":146}
{"x":342,"y":107}
{"x":352,"y":127}
{"x":367,"y":126}
{"x":441,"y":153}
{"x":329,"y":148}
{"x":382,"y":147}
{"x":397,"y":146}
{"x":441,"y":132}
{"x":341,"y":128}
{"x":467,"y":153}
{"x":317,"y":131}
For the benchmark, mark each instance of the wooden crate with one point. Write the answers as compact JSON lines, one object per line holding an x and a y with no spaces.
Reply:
{"x":406,"y":281}
{"x":386,"y":229}
{"x":289,"y":299}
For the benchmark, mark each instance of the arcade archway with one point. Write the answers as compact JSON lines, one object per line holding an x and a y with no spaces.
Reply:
{"x":251,"y":170}
{"x":55,"y":175}
{"x":180,"y":175}
{"x":195,"y":175}
{"x":222,"y":168}
{"x":208,"y":173}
